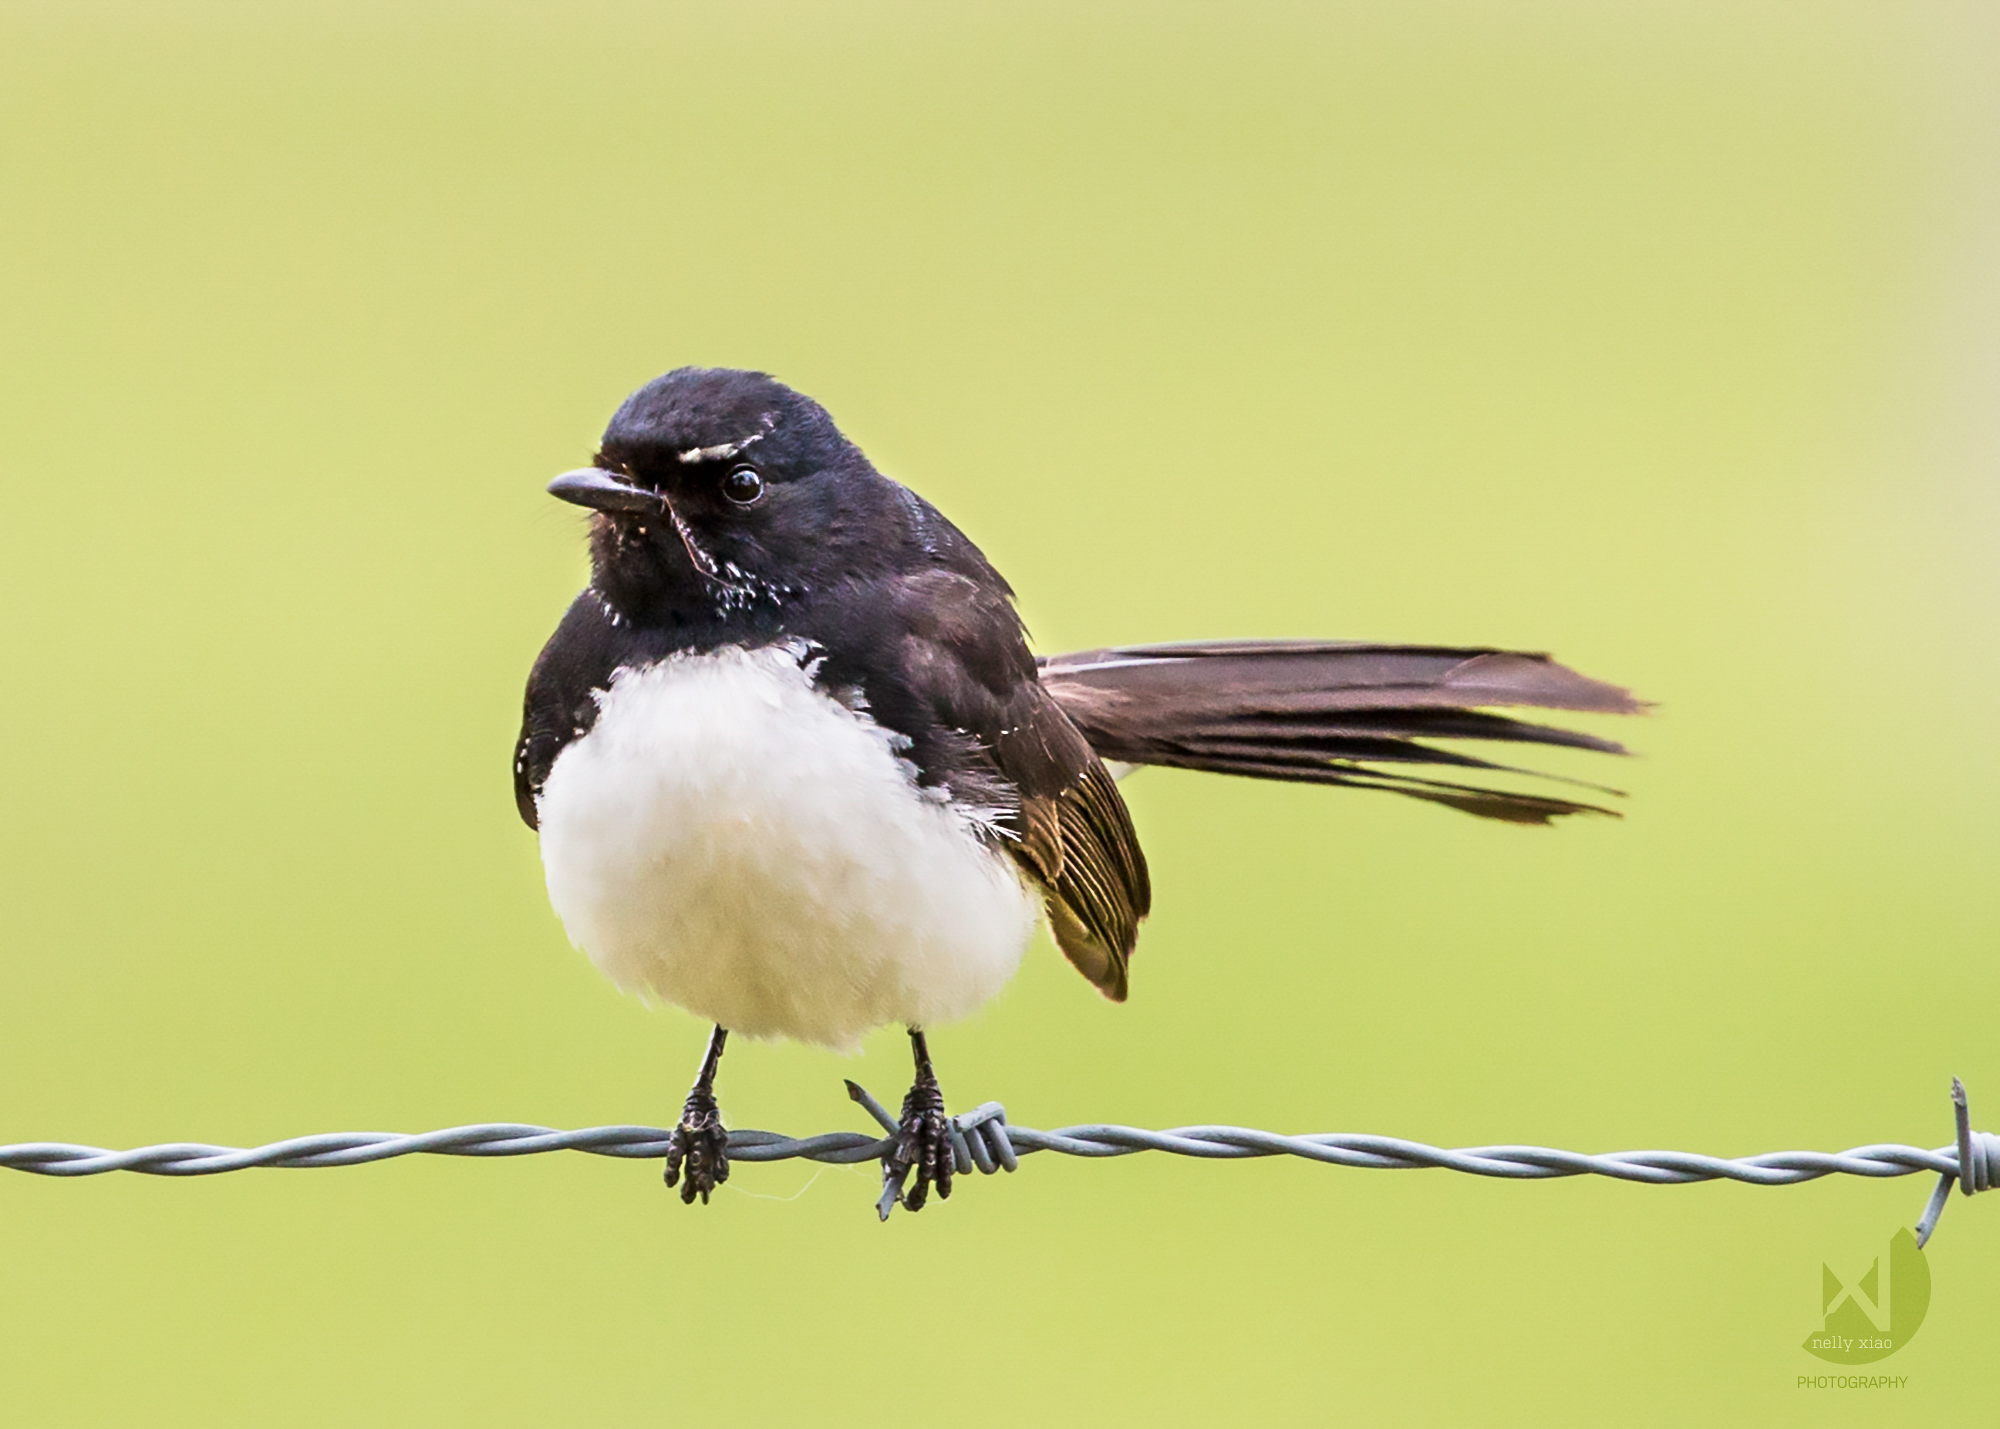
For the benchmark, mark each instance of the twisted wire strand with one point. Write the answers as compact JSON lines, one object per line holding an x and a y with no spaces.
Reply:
{"x":990,"y":1143}
{"x":983,"y":1139}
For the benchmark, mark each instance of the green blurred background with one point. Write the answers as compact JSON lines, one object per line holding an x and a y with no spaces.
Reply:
{"x":1662,"y":337}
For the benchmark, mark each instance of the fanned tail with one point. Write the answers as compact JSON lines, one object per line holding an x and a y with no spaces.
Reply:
{"x":1332,"y":712}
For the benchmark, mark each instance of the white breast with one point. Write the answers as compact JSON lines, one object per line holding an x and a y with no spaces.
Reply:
{"x":728,"y":839}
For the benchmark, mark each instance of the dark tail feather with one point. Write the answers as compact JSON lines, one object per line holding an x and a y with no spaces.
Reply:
{"x":1327,"y":712}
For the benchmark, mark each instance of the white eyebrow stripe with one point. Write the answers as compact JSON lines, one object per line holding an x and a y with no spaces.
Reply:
{"x":735,"y":448}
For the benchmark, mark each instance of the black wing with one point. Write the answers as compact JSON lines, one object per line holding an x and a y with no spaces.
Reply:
{"x":942,"y":659}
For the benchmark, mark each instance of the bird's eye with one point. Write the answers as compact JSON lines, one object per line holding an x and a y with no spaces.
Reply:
{"x":743,"y":486}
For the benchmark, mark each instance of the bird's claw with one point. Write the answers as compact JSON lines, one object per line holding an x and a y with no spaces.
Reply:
{"x":700,"y":1146}
{"x":923,"y":1145}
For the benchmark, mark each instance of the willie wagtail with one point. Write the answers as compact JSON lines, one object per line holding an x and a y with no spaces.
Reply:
{"x":795,"y":769}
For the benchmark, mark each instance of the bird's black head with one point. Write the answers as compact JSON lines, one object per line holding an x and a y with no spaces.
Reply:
{"x":725,"y":495}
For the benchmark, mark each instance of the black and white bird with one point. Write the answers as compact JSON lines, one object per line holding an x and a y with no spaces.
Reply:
{"x":795,"y":769}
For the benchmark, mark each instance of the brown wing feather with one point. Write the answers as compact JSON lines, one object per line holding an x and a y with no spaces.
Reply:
{"x":1039,"y":847}
{"x":1100,"y":890}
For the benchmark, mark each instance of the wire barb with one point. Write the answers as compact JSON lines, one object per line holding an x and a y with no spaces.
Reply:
{"x":1977,"y":1167}
{"x":983,"y":1140}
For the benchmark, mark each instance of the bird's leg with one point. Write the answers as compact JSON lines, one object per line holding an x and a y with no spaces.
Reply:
{"x":699,"y":1141}
{"x":923,"y":1142}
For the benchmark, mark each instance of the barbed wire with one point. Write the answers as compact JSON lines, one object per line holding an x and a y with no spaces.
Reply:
{"x":985,"y":1140}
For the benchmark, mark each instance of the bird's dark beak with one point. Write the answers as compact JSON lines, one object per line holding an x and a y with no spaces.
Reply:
{"x":603,"y":490}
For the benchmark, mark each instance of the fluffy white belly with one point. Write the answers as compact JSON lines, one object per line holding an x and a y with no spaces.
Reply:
{"x":728,"y":839}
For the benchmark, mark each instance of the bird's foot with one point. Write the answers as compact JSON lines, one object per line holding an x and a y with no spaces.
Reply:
{"x":700,"y":1146}
{"x":923,"y":1144}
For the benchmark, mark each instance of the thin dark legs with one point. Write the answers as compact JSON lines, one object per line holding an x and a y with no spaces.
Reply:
{"x":699,"y":1141}
{"x":700,"y":1147}
{"x":923,"y":1142}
